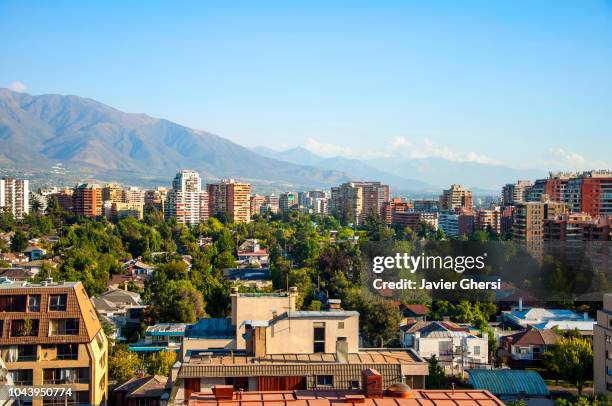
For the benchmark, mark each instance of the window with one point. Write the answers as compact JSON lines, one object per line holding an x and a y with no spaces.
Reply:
{"x":59,"y":376}
{"x":25,"y":353}
{"x":476,"y":350}
{"x":67,"y":351}
{"x":22,"y":377}
{"x":34,"y":303}
{"x":355,"y":385}
{"x":326,"y":381}
{"x":609,"y":371}
{"x":64,"y":327}
{"x":142,"y":402}
{"x":319,"y":337}
{"x":13,"y":303}
{"x":1,"y":328}
{"x":24,"y":328}
{"x":536,"y":350}
{"x":608,"y":339}
{"x":57,"y":303}
{"x":340,"y":325}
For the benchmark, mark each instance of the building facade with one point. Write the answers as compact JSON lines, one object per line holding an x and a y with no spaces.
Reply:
{"x":15,"y":196}
{"x":50,"y":336}
{"x":184,"y":200}
{"x":230,"y":198}
{"x":456,"y":198}
{"x":602,"y":349}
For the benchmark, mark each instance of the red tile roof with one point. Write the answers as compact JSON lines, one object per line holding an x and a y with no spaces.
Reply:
{"x":534,"y":336}
{"x":327,"y":398}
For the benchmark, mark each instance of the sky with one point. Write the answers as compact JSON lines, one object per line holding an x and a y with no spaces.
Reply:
{"x":522,"y":83}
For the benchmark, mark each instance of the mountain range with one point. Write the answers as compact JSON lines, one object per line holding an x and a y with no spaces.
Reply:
{"x":99,"y":142}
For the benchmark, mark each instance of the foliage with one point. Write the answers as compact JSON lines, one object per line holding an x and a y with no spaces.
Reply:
{"x":160,"y":363}
{"x":572,"y":359}
{"x":436,"y":378}
{"x":123,"y":364}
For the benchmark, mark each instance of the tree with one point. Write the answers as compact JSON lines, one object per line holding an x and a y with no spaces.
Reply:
{"x":574,"y":359}
{"x":123,"y":364}
{"x":19,"y":242}
{"x":436,"y":378}
{"x":160,"y":363}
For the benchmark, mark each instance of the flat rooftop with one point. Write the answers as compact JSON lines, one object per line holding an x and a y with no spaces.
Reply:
{"x":327,"y":398}
{"x":8,"y":284}
{"x":362,"y":357}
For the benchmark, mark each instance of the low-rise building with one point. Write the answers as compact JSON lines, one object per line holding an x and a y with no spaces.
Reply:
{"x":456,"y":347}
{"x":526,"y":348}
{"x":541,"y":318}
{"x":602,"y":348}
{"x":511,"y":385}
{"x":145,"y":391}
{"x":122,"y":308}
{"x":161,"y":337}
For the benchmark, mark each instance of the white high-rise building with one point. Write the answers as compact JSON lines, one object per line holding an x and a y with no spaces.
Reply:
{"x":15,"y":196}
{"x":185,"y":199}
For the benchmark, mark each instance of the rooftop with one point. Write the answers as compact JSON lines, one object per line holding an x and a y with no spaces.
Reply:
{"x":150,"y":386}
{"x":326,"y":398}
{"x":534,"y":336}
{"x":29,"y":285}
{"x":167,"y":329}
{"x":508,"y":382}
{"x":211,"y":328}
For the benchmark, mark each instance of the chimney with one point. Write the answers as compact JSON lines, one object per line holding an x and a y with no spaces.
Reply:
{"x":223,"y":392}
{"x":342,"y":350}
{"x":520,"y":304}
{"x":371,"y":382}
{"x":334,"y":305}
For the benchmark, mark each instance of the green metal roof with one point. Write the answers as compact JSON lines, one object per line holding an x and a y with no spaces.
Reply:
{"x":508,"y":382}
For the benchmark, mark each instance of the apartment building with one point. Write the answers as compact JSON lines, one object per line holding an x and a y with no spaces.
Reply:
{"x":230,"y":198}
{"x":288,"y":201}
{"x":488,"y":219}
{"x":156,"y":199}
{"x":602,"y":349}
{"x":112,"y":193}
{"x":256,"y":202}
{"x":393,"y":207}
{"x":87,"y":200}
{"x":456,"y":198}
{"x":184,"y":200}
{"x":553,"y":187}
{"x":513,"y":193}
{"x":15,"y":196}
{"x":426,"y":205}
{"x":50,"y":335}
{"x":456,"y":224}
{"x":269,"y":345}
{"x":360,"y":199}
{"x":528,"y":224}
{"x":590,"y":193}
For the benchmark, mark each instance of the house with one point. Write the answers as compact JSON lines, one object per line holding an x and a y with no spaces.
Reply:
{"x":161,"y":337}
{"x":525,"y":348}
{"x":510,"y":384}
{"x":34,"y":252}
{"x":120,"y":282}
{"x":250,"y":253}
{"x":137,"y":267}
{"x":258,"y":278}
{"x":17,"y":274}
{"x":122,"y":308}
{"x":37,"y":265}
{"x":13,"y":258}
{"x":456,"y":347}
{"x":413,"y":312}
{"x":544,"y":319}
{"x":140,"y":391}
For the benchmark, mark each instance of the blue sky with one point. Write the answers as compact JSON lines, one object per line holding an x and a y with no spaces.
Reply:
{"x":524,"y":83}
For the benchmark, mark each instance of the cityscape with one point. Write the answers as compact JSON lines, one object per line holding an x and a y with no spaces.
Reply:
{"x":316,"y":203}
{"x":210,"y":287}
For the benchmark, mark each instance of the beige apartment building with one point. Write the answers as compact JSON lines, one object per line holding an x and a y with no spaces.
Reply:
{"x":361,"y":198}
{"x":50,"y":336}
{"x":456,"y":198}
{"x":602,"y":348}
{"x":529,"y":219}
{"x":230,"y":198}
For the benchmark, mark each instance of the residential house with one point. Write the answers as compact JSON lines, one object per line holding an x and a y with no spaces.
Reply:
{"x":250,"y":253}
{"x":161,"y":337}
{"x":17,"y":274}
{"x":413,"y":312}
{"x":456,"y":347}
{"x":140,"y":391}
{"x":122,"y":308}
{"x":251,"y":277}
{"x":525,"y":348}
{"x":34,"y":252}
